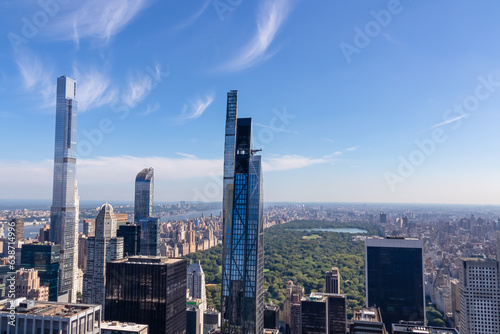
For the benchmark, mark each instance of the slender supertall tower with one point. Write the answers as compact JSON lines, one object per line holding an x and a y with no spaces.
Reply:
{"x":243,"y":252}
{"x":144,"y":194}
{"x":64,"y":210}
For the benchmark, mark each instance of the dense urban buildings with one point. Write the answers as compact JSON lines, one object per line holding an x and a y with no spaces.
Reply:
{"x":395,"y":278}
{"x":64,"y":211}
{"x":36,"y":317}
{"x":27,"y":285}
{"x":104,"y":247}
{"x":144,"y":194}
{"x":148,"y":290}
{"x":243,"y":250}
{"x":479,"y":296}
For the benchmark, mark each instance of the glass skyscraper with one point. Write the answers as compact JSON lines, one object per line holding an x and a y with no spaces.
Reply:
{"x":43,"y":257}
{"x":150,"y":236}
{"x":243,"y":245}
{"x":395,"y":278}
{"x":144,"y":192}
{"x":64,"y":210}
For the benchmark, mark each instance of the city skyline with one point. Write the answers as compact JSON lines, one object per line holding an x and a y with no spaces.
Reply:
{"x":364,"y":108}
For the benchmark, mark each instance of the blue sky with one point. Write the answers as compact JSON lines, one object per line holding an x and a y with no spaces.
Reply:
{"x":352,"y":101}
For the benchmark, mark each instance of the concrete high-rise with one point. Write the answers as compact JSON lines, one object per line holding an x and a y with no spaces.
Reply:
{"x":291,"y":307}
{"x":144,"y":194}
{"x":64,"y":210}
{"x":147,"y":289}
{"x":18,"y":229}
{"x":104,"y":247}
{"x":242,"y":301}
{"x":395,"y":278}
{"x":196,"y":282}
{"x":479,"y":296}
{"x":332,"y":281}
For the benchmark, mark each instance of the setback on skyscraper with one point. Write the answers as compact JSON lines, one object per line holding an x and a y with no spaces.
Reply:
{"x":243,"y":245}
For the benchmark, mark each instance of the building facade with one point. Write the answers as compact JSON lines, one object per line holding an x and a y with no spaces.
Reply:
{"x":196,"y":282}
{"x":64,"y":210}
{"x":291,"y":307}
{"x":104,"y":247}
{"x":479,"y":296}
{"x":18,"y":229}
{"x":150,"y":236}
{"x":28,"y":285}
{"x":144,"y":194}
{"x":131,"y":234}
{"x":44,"y":257}
{"x":395,"y":278}
{"x":242,"y":291}
{"x":332,"y":281}
{"x":147,"y":289}
{"x":36,"y":317}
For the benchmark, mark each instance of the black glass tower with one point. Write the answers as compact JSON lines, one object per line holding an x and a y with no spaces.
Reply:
{"x":44,"y":258}
{"x":243,"y":245}
{"x":131,"y":234}
{"x":395,"y":279}
{"x":149,"y":290}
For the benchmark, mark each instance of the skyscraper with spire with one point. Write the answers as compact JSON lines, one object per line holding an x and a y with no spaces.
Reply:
{"x":64,"y":210}
{"x":243,"y":245}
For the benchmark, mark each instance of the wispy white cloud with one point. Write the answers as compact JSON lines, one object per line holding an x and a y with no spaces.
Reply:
{"x":96,"y":19}
{"x":186,"y":155}
{"x":333,"y":155}
{"x":273,"y":128}
{"x":193,"y":18}
{"x":150,"y":109}
{"x":196,"y":108}
{"x":350,"y":149}
{"x":288,"y":162}
{"x":93,"y":89}
{"x":449,"y":121}
{"x":270,"y":17}
{"x":328,"y":140}
{"x":36,"y":76}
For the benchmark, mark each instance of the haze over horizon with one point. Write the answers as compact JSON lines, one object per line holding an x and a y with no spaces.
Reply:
{"x":380,"y":102}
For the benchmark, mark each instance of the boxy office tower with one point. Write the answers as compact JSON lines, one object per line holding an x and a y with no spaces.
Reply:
{"x":243,"y":245}
{"x":395,"y":278}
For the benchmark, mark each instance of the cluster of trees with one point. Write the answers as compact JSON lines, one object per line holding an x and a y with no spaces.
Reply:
{"x":288,"y":256}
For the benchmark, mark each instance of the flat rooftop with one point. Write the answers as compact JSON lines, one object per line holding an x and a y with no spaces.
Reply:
{"x":52,"y":309}
{"x":122,"y":326}
{"x":148,"y":260}
{"x":367,"y":314}
{"x":416,"y":329}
